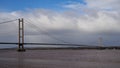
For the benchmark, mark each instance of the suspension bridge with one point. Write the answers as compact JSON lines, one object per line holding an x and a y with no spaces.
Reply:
{"x":21,"y":42}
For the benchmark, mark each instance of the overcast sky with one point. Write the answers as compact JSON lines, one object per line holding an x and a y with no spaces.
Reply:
{"x":55,"y":21}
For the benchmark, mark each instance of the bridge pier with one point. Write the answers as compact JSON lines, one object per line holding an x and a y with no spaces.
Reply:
{"x":21,"y":36}
{"x":21,"y":48}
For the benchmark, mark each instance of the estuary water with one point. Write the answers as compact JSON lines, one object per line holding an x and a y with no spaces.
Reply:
{"x":60,"y":59}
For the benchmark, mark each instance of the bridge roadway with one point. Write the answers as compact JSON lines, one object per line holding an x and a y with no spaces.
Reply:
{"x":73,"y":45}
{"x":43,"y":44}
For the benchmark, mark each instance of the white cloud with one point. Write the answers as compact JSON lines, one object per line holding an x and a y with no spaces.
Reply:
{"x":74,"y":5}
{"x":103,"y":4}
{"x":103,"y":22}
{"x":95,"y":4}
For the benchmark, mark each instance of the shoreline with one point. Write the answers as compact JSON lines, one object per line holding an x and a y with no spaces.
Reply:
{"x":66,"y":48}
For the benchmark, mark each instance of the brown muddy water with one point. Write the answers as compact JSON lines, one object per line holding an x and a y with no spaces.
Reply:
{"x":60,"y":59}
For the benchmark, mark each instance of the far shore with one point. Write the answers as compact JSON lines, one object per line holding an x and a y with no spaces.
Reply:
{"x":66,"y":48}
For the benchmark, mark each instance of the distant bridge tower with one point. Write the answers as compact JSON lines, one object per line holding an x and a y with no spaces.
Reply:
{"x":21,"y":35}
{"x":100,"y":40}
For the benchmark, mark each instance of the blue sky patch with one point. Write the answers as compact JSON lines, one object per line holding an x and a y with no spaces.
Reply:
{"x":13,"y":5}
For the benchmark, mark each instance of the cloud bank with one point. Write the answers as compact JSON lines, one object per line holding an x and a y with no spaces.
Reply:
{"x":82,"y":24}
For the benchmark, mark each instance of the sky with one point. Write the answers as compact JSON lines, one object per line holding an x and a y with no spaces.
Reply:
{"x":62,"y":21}
{"x":13,"y":5}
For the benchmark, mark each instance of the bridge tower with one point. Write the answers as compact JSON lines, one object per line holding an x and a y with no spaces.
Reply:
{"x":21,"y":35}
{"x":101,"y":41}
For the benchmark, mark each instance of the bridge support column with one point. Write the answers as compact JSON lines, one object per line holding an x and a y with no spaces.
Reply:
{"x":21,"y":35}
{"x":101,"y":41}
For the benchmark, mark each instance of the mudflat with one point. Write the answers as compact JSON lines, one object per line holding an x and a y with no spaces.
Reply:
{"x":60,"y":59}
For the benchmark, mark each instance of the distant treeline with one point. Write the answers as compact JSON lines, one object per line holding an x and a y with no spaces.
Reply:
{"x":70,"y":48}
